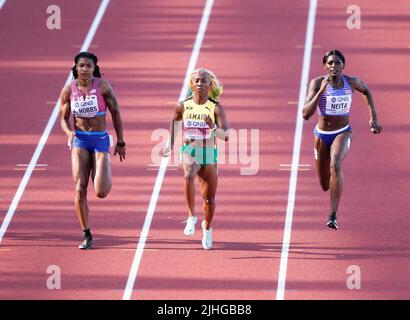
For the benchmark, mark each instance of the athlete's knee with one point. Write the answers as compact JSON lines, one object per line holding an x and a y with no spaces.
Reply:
{"x":102,"y":193}
{"x":189,"y":177}
{"x":336,"y":165}
{"x":325,"y":186}
{"x":102,"y":189}
{"x":209,"y":200}
{"x":80,"y":192}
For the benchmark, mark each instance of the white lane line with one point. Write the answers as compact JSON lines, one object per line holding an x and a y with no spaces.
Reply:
{"x":2,"y":2}
{"x":289,"y":165}
{"x":280,"y":293}
{"x":164,"y":162}
{"x":48,"y":128}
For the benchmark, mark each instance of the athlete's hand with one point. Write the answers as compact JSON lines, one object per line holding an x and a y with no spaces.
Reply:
{"x":209,"y":122}
{"x":70,"y":138}
{"x":120,"y":151}
{"x":165,"y":152}
{"x":222,"y":134}
{"x":324,"y":84}
{"x":374,"y":126}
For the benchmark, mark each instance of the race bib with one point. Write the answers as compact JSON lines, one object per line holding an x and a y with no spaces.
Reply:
{"x":85,"y":108}
{"x":196,"y":129}
{"x":338,"y":105}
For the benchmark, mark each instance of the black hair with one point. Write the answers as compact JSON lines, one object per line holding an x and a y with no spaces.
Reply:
{"x":333,"y":53}
{"x":90,"y":56}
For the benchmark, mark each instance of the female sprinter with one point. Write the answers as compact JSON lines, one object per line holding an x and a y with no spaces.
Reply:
{"x":87,"y":97}
{"x":333,"y":94}
{"x":203,"y":119}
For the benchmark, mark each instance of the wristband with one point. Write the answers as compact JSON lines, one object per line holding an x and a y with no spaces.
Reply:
{"x":121,"y":144}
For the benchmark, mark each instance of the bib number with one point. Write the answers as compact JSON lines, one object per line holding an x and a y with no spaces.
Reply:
{"x":338,"y":105}
{"x":87,"y":108}
{"x":196,"y":130}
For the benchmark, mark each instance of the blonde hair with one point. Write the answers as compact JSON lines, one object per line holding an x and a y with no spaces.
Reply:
{"x":216,"y":88}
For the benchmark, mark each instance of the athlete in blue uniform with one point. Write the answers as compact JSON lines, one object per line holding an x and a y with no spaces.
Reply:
{"x":333,"y":93}
{"x":87,"y":97}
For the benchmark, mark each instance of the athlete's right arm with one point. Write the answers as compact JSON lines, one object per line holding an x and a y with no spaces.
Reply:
{"x":173,"y":129}
{"x":316,"y":88}
{"x":65,"y":111}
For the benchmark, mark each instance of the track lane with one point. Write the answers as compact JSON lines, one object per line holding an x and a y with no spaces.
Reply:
{"x":373,"y":232}
{"x":246,"y":46}
{"x":145,"y":71}
{"x":27,"y":64}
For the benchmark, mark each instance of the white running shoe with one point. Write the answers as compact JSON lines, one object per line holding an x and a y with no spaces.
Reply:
{"x":190,"y":226}
{"x":206,"y":237}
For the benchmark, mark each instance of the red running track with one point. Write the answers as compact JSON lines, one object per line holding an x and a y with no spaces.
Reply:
{"x":144,"y":51}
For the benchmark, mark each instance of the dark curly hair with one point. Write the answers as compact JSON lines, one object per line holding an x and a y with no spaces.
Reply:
{"x":90,"y":56}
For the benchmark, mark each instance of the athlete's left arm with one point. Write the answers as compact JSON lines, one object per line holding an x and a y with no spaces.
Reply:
{"x":112,"y":104}
{"x":360,"y":86}
{"x":220,"y":117}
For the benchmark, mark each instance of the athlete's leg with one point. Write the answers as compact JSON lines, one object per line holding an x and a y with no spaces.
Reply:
{"x":190,"y":169}
{"x":81,"y":168}
{"x":208,"y":179}
{"x":322,"y":160}
{"x":101,"y":173}
{"x":338,"y":152}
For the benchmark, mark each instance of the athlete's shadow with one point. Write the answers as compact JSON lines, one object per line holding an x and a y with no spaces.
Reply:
{"x":69,"y":240}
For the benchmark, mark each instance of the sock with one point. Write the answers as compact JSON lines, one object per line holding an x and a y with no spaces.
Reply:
{"x":87,"y":233}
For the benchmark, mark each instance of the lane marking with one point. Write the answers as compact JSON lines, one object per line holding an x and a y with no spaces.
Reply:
{"x":48,"y":128}
{"x":288,"y":167}
{"x":299,"y":46}
{"x":164,"y":161}
{"x":35,"y":169}
{"x":280,"y":293}
{"x":146,"y":250}
{"x":92,"y":46}
{"x":2,"y":2}
{"x":154,"y":167}
{"x":206,"y":46}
